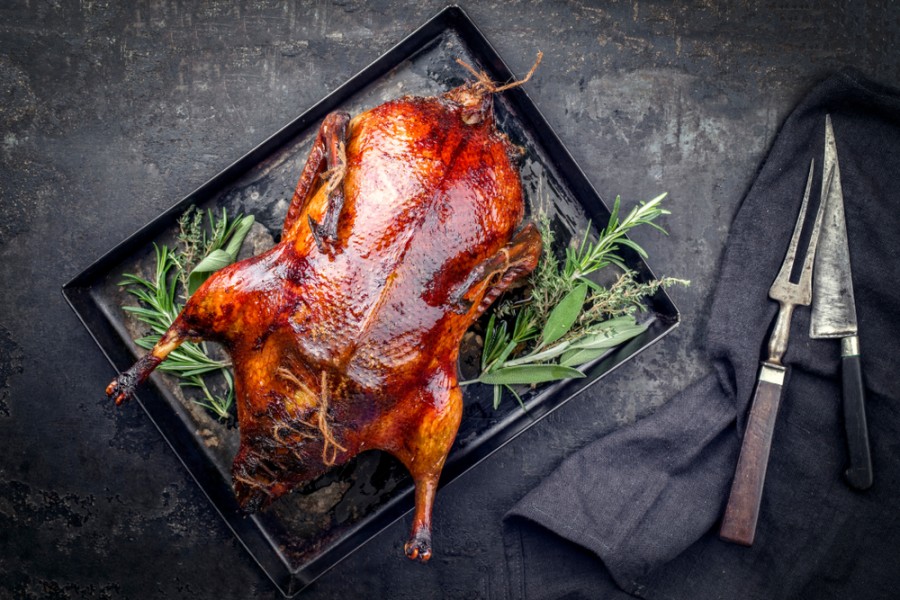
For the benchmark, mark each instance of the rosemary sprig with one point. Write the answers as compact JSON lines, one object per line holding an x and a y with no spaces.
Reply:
{"x":551,"y":283}
{"x":568,"y":319}
{"x":201,"y":251}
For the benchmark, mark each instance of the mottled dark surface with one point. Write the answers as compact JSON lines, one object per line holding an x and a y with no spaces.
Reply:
{"x":111,"y":112}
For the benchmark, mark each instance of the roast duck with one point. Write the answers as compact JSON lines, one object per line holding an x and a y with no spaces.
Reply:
{"x":405,"y":226}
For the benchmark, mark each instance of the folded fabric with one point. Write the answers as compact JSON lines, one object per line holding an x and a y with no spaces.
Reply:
{"x":636,"y":512}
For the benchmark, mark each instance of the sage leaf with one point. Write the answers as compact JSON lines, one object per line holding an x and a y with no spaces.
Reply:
{"x":528,"y":374}
{"x":540,"y":356}
{"x":214,"y":261}
{"x":564,"y":315}
{"x":610,"y":338}
{"x":594,"y":346}
{"x":237,"y":237}
{"x":580,"y":356}
{"x":218,"y":259}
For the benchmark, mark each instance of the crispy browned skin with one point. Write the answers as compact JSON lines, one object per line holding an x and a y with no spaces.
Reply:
{"x":344,"y":336}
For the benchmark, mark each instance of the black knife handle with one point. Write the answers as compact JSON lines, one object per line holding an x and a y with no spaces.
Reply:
{"x":742,"y":511}
{"x":859,"y":474}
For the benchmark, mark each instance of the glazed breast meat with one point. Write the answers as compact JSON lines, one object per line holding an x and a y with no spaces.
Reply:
{"x":405,"y":226}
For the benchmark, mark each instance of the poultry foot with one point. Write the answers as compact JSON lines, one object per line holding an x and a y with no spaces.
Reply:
{"x":122,"y":387}
{"x":419,"y":546}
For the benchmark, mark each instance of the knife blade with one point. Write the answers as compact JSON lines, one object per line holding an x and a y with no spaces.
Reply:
{"x":834,"y":316}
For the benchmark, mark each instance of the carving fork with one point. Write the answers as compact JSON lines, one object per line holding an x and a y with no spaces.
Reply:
{"x":742,"y":511}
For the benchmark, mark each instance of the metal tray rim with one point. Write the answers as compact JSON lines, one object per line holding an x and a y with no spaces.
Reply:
{"x":291,"y":580}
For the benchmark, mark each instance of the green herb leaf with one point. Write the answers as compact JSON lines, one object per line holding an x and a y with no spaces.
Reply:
{"x":581,"y":356}
{"x":610,"y":337}
{"x":510,"y":346}
{"x":220,"y":258}
{"x":633,"y":246}
{"x":159,"y":306}
{"x":596,"y":345}
{"x":567,"y":319}
{"x":540,"y":356}
{"x":517,"y":396}
{"x":209,"y":265}
{"x":495,"y":340}
{"x":528,"y":374}
{"x":591,"y":284}
{"x":241,"y":229}
{"x":564,"y":315}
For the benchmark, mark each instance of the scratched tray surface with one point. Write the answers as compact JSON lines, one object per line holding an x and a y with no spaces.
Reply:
{"x":303,"y":534}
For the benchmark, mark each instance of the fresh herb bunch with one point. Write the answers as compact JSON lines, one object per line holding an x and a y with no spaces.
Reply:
{"x":568,"y":319}
{"x":202,"y":249}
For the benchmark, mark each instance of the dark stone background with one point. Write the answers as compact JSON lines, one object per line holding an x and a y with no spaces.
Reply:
{"x":112,"y":111}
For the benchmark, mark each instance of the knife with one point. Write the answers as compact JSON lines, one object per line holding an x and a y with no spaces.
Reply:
{"x":834,"y":316}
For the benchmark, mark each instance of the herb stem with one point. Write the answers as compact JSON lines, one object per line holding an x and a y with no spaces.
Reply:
{"x":567,"y":320}
{"x":184,"y":270}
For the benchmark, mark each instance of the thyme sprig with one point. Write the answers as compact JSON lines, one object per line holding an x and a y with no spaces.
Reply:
{"x":201,"y":250}
{"x":568,"y":319}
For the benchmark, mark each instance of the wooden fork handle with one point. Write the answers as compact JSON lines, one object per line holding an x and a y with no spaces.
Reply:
{"x":742,"y":510}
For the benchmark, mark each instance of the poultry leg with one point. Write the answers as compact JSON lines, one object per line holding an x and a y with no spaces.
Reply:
{"x":424,"y":455}
{"x":122,"y":387}
{"x":437,"y":427}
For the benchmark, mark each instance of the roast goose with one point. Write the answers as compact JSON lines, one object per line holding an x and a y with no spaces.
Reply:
{"x":406,"y":224}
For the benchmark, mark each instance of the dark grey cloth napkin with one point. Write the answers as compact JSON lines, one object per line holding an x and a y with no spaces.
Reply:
{"x":636,"y":513}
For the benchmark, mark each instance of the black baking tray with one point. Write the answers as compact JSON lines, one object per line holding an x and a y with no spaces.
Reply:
{"x":303,"y":535}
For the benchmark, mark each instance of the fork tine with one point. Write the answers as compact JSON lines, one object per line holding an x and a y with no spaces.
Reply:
{"x":783,"y":280}
{"x":742,"y":510}
{"x":806,"y":275}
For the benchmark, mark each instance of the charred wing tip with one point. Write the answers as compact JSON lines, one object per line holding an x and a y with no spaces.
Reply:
{"x":323,"y":234}
{"x":316,"y":233}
